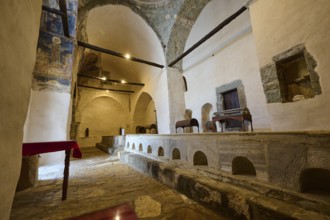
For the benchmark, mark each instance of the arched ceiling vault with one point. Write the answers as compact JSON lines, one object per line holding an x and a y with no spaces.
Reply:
{"x":170,"y":20}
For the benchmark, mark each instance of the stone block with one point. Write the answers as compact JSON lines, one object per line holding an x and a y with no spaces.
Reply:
{"x":29,"y":173}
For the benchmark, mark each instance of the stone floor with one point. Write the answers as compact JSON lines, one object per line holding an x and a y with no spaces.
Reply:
{"x":99,"y":181}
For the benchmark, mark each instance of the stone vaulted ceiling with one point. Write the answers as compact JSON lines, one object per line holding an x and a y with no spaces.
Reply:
{"x":154,"y":30}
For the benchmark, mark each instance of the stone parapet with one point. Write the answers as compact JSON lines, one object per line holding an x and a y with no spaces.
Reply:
{"x":280,"y":158}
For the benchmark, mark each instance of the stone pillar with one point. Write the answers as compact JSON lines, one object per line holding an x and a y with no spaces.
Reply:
{"x":176,"y":89}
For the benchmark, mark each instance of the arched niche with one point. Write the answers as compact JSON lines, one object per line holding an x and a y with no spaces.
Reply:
{"x":149,"y":149}
{"x":133,"y":146}
{"x":160,"y":151}
{"x":140,"y":147}
{"x":127,"y":145}
{"x":200,"y":159}
{"x":205,"y":114}
{"x":176,"y":155}
{"x":242,"y":165}
{"x":316,"y":181}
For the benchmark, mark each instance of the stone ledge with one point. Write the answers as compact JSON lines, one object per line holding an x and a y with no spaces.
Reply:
{"x":225,"y":197}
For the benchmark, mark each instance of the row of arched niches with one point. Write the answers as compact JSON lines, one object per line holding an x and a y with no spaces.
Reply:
{"x":312,"y":180}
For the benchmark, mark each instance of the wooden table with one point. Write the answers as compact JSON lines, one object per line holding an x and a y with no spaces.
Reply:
{"x":30,"y":149}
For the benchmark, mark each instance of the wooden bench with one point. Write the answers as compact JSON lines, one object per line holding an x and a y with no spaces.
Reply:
{"x":186,"y":123}
{"x":239,"y":114}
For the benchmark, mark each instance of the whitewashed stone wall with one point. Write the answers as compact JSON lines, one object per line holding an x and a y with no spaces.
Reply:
{"x":228,"y":56}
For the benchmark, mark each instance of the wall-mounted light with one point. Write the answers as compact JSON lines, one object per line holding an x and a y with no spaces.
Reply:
{"x":123,"y":81}
{"x":127,"y":56}
{"x":103,"y":78}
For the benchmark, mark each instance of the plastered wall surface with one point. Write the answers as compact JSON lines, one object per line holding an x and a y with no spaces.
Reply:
{"x":280,"y":25}
{"x":50,"y":125}
{"x":228,"y":56}
{"x":103,"y":116}
{"x":19,"y":20}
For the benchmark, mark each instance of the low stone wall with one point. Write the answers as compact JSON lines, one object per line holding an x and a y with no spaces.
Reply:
{"x":278,"y":158}
{"x":238,"y":197}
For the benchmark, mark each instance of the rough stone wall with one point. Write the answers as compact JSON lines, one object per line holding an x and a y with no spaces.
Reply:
{"x":279,"y":158}
{"x":279,"y":26}
{"x":18,"y":41}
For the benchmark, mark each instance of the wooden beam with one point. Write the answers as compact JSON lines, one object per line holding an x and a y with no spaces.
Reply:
{"x":110,"y":80}
{"x":65,"y":21}
{"x":52,"y":10}
{"x":114,"y":90}
{"x":117,"y":54}
{"x":209,"y":35}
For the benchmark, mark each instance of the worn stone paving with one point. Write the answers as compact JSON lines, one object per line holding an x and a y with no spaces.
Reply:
{"x":99,"y":181}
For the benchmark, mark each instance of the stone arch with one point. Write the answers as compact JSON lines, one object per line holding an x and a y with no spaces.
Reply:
{"x":205,"y":115}
{"x":181,"y":29}
{"x":140,"y":147}
{"x":133,"y":146}
{"x":149,"y":149}
{"x":315,"y":180}
{"x":242,"y":165}
{"x":200,"y":159}
{"x":176,"y":154}
{"x":160,"y":151}
{"x":144,"y":111}
{"x":83,"y":103}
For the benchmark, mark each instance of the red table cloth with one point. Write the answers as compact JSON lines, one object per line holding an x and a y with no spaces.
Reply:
{"x":30,"y":149}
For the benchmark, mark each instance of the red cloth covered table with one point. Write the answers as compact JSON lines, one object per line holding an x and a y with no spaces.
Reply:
{"x":119,"y":212}
{"x":30,"y":149}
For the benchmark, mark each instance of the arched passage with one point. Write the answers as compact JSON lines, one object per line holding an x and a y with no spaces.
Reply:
{"x":242,"y":165}
{"x":200,"y":159}
{"x":145,"y":111}
{"x":315,"y":180}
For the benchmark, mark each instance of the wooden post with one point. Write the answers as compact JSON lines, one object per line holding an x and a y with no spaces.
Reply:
{"x":66,"y":174}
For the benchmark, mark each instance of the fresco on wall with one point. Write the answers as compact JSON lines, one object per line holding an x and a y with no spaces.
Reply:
{"x":53,"y":67}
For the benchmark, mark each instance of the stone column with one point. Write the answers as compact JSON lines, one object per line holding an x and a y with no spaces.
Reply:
{"x":176,"y":89}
